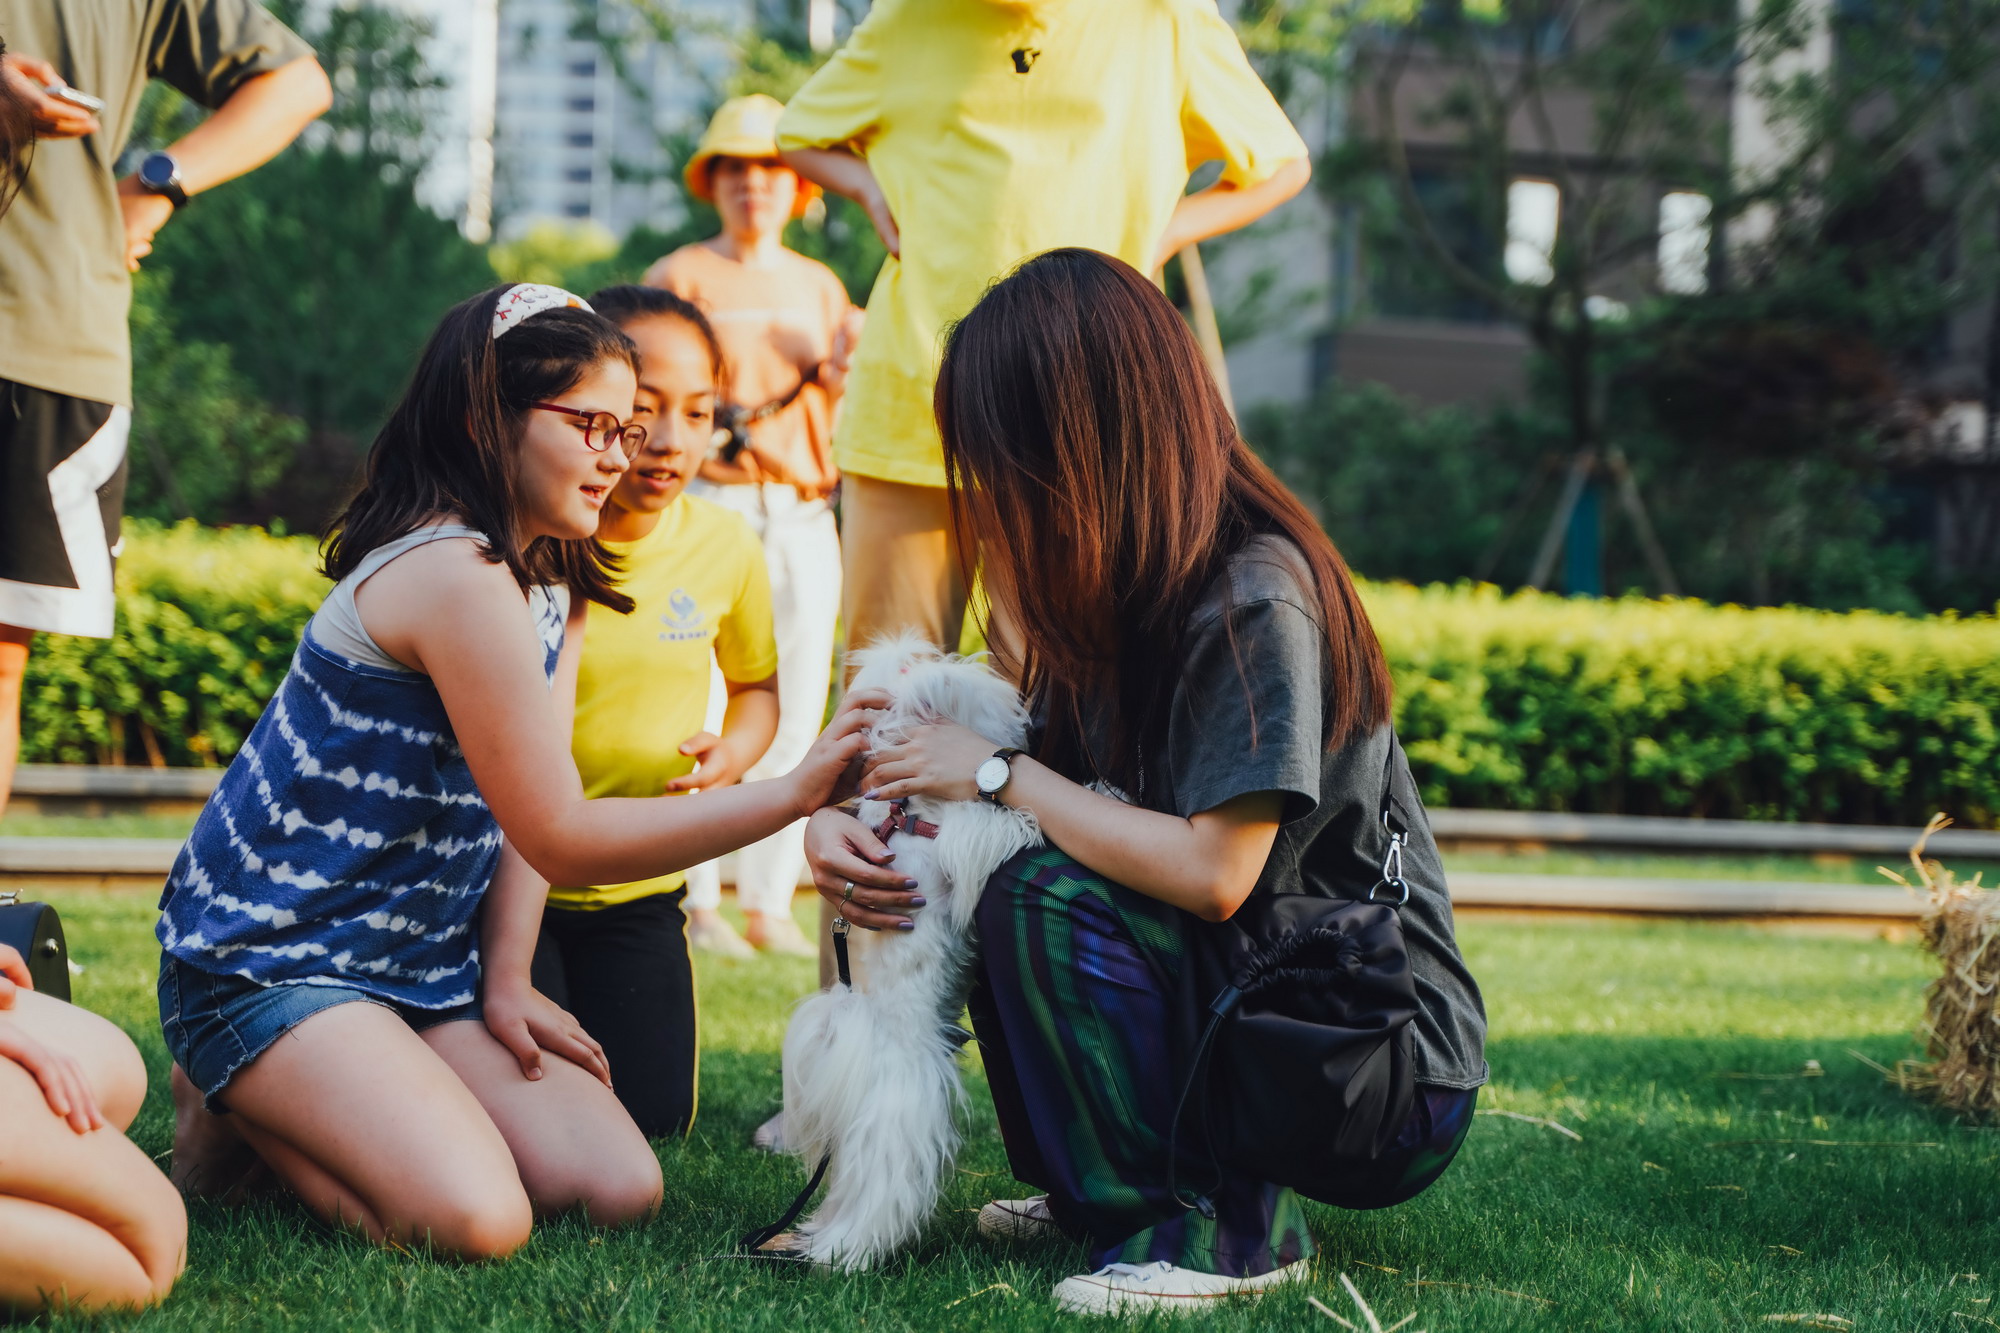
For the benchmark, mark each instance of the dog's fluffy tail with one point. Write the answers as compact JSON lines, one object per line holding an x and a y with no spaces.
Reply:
{"x":878,"y":1090}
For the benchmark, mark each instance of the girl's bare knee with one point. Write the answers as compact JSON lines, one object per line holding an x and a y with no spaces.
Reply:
{"x":633,"y":1198}
{"x":479,"y":1228}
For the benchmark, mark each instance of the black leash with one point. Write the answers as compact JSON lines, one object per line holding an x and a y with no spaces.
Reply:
{"x":754,"y":1243}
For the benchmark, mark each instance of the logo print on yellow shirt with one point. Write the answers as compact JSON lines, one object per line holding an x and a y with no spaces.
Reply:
{"x":683,"y":619}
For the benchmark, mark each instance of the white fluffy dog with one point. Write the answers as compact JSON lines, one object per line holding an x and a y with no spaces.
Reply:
{"x":871,"y":1070}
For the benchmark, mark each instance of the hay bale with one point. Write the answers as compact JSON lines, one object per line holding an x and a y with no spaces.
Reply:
{"x":1961,"y":1027}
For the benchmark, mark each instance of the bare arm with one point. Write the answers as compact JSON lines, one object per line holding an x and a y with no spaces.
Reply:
{"x":444,"y":611}
{"x":263,"y":115}
{"x":843,"y":173}
{"x":1223,"y":207}
{"x":1206,"y":864}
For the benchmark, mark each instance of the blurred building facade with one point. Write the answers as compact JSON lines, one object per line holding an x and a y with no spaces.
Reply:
{"x":569,"y":112}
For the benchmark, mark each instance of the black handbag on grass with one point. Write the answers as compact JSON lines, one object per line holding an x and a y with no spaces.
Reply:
{"x":1304,"y":1062}
{"x":36,"y":931}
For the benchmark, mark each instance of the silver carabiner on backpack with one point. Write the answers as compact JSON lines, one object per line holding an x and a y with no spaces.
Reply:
{"x":1392,"y":866}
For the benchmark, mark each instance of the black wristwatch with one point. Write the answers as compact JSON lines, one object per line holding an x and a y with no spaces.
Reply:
{"x":160,"y":174}
{"x":992,"y":774}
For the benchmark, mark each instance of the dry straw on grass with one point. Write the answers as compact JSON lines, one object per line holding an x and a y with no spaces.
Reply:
{"x":1961,"y":926}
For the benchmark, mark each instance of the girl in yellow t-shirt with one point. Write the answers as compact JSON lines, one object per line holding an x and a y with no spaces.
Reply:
{"x":616,"y":955}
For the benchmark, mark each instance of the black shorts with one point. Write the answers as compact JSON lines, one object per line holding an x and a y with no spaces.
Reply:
{"x":623,"y":971}
{"x":62,"y":495}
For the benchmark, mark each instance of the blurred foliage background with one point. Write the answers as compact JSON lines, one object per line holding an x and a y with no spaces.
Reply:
{"x":275,"y":325}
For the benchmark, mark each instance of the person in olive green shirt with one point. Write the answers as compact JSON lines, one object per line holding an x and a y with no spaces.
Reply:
{"x":68,"y":247}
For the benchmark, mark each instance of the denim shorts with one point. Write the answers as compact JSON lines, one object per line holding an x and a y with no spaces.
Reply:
{"x":216,"y":1023}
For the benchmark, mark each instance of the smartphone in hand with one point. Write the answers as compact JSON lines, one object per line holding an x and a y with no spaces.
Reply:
{"x":62,"y":92}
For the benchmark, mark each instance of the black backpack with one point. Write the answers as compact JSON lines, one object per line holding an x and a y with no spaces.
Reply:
{"x":1303,"y":1064}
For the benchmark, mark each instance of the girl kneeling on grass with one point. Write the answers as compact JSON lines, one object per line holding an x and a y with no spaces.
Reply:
{"x":1192,"y":638}
{"x":348,"y":930}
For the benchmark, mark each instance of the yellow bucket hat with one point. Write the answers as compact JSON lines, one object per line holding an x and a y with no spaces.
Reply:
{"x":741,"y":127}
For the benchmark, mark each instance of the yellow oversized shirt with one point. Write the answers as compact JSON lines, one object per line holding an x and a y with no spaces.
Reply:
{"x":985,"y":163}
{"x":642,"y":687}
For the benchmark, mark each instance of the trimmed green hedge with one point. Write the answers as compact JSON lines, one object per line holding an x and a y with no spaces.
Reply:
{"x":1535,"y":702}
{"x":1526,"y":702}
{"x":207,"y":621}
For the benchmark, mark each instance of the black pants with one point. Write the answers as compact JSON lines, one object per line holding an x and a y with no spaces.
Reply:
{"x":624,"y":972}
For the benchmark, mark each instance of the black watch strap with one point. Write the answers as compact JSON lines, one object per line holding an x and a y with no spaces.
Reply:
{"x":160,"y":174}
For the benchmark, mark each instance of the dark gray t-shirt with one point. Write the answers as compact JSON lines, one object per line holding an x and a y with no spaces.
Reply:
{"x":1225,"y":741}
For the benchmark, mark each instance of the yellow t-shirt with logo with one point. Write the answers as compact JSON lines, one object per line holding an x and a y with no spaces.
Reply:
{"x":642,"y":687}
{"x":998,"y":131}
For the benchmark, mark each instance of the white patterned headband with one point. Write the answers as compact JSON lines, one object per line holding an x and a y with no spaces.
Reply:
{"x":523,"y":299}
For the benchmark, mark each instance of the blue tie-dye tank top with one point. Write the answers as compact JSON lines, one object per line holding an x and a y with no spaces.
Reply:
{"x":347,"y":843}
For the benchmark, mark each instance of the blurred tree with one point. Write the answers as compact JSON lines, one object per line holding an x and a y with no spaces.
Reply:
{"x":1751,"y":406}
{"x":322,"y":272}
{"x":553,"y":252}
{"x":204,"y":445}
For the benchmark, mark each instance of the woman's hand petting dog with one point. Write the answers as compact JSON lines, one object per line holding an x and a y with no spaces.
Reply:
{"x":851,"y":870}
{"x":937,"y":761}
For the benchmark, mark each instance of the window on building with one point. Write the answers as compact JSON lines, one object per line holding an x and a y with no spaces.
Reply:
{"x":1534,"y":209}
{"x":579,"y":139}
{"x":583,"y":104}
{"x":576,"y":208}
{"x":583,"y":69}
{"x":1404,"y":279}
{"x":1684,"y":234}
{"x":577,"y":175}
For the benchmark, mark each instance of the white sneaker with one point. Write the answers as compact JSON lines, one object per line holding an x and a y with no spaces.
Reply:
{"x":1136,"y":1288}
{"x":717,"y":936}
{"x":1019,"y":1219}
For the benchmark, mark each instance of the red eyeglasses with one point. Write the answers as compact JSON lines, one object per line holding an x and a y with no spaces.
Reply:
{"x":601,"y":428}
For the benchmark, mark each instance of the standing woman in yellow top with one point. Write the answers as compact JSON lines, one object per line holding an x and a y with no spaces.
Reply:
{"x":616,"y":955}
{"x":786,"y":327}
{"x":976,"y":134}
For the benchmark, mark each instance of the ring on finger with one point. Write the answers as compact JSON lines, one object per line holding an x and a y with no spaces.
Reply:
{"x":847,"y":894}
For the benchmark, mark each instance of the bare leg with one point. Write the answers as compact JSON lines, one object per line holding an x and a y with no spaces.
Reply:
{"x":14,"y":643}
{"x":110,"y":1061}
{"x":212,"y":1160}
{"x":574,"y":1145}
{"x":372,"y":1130}
{"x":85,"y":1219}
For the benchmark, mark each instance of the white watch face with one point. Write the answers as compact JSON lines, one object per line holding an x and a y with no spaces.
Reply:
{"x":992,"y":775}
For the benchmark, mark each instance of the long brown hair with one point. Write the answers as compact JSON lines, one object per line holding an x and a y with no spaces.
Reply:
{"x":450,"y":445}
{"x":1101,"y":486}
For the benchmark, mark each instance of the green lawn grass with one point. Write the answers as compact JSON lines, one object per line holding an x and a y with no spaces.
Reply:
{"x":1702,"y":1194}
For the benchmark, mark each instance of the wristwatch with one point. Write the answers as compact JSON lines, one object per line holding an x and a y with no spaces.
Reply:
{"x":160,"y":174}
{"x":991,"y":776}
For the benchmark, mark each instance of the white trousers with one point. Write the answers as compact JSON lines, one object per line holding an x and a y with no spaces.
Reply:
{"x":802,"y":549}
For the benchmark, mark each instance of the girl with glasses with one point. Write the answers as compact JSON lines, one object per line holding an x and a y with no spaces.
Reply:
{"x":348,"y":932}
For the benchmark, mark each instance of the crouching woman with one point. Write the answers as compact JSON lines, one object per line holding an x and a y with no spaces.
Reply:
{"x":1191,"y":638}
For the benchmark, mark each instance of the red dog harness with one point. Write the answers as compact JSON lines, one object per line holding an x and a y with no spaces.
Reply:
{"x":901,"y":821}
